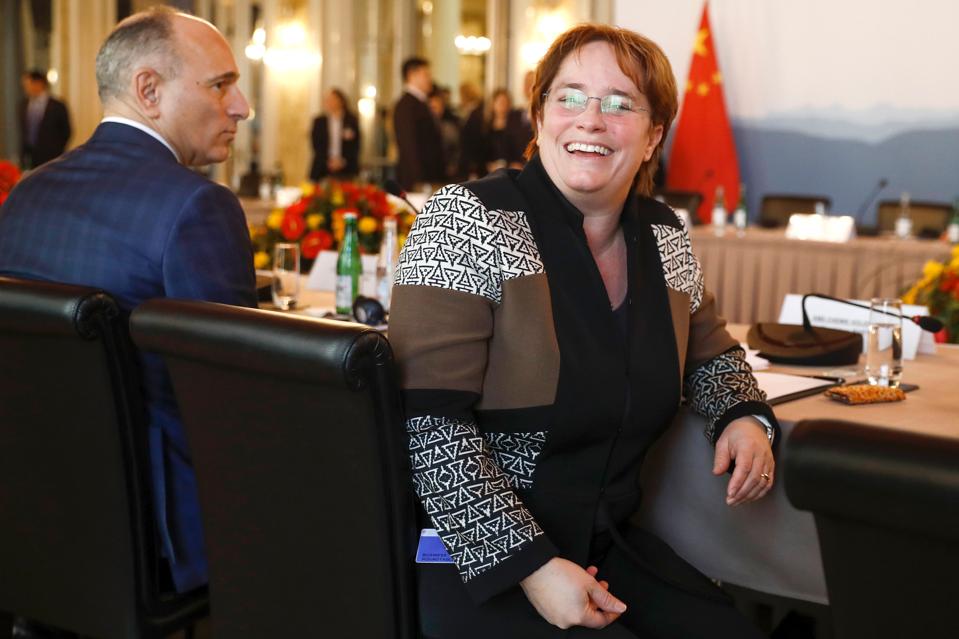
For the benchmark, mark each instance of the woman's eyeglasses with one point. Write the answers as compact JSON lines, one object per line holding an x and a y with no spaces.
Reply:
{"x":575,"y":101}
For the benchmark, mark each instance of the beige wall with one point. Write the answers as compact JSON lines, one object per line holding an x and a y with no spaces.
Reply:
{"x":78,"y":30}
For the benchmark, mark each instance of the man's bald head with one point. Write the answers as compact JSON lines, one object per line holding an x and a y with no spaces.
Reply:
{"x":145,"y":38}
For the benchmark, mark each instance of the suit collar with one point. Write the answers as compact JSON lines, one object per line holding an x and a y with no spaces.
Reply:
{"x":115,"y":129}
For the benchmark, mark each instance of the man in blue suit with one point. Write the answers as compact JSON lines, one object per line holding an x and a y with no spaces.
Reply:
{"x":123,"y":212}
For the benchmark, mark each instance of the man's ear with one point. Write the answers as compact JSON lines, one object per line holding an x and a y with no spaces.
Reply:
{"x":146,"y":91}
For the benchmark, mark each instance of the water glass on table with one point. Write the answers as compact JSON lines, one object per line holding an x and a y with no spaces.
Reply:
{"x":286,"y":275}
{"x":884,"y":342}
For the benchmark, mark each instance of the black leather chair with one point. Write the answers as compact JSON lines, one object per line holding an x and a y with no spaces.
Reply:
{"x":775,"y":209}
{"x":929,"y":219}
{"x":76,"y":532}
{"x":886,"y":504}
{"x":297,"y":435}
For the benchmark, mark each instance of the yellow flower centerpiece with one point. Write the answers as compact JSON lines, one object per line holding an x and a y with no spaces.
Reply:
{"x":315,"y":221}
{"x":938,"y":288}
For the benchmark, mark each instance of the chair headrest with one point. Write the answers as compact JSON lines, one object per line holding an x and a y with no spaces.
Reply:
{"x":894,"y":478}
{"x":36,"y":307}
{"x":290,"y":346}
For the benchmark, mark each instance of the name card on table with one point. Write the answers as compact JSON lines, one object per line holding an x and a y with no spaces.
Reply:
{"x":821,"y":228}
{"x":830,"y":314}
{"x":323,"y":274}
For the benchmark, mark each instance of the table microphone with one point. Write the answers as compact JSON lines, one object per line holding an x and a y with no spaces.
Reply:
{"x":392,"y":187}
{"x":876,"y":190}
{"x":810,"y":345}
{"x":925,"y":322}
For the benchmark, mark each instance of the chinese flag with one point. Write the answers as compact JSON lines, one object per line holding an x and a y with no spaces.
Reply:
{"x":704,"y":154}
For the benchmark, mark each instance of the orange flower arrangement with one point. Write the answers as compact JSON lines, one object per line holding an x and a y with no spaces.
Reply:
{"x":315,"y":221}
{"x":938,"y":288}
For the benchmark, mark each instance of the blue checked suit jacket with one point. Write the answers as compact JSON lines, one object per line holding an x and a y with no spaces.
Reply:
{"x":120,"y":213}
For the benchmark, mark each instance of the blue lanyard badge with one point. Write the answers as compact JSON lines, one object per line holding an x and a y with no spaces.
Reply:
{"x":431,"y":549}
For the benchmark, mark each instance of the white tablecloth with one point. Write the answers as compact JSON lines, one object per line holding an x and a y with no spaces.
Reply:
{"x":769,"y":545}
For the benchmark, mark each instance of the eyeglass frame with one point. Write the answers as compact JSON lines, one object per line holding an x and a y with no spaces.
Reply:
{"x":635,"y":109}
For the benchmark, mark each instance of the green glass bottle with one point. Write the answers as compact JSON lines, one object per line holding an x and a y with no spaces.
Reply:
{"x":349,"y":267}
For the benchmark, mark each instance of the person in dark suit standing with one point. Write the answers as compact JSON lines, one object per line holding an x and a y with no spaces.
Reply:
{"x":44,"y":122}
{"x":521,"y":128}
{"x":336,"y":140}
{"x":418,"y":137}
{"x":124,"y":212}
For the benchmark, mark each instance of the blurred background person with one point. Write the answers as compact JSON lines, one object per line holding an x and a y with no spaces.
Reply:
{"x":471,"y":131}
{"x":418,"y":140}
{"x":470,"y":98}
{"x":336,"y":140}
{"x":449,"y":126}
{"x":502,"y":134}
{"x":44,"y":122}
{"x":523,"y":129}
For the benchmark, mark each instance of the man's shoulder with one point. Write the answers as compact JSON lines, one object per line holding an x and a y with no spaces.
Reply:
{"x":406,"y":101}
{"x":132,"y":177}
{"x":410,"y":103}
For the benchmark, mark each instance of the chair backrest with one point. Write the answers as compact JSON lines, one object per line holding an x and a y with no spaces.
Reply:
{"x":775,"y":209}
{"x":886,"y":504}
{"x":296,"y":430}
{"x":76,"y":531}
{"x":928,"y":218}
{"x":689,"y":200}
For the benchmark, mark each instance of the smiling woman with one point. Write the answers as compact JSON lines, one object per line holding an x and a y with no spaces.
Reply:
{"x":547,"y":323}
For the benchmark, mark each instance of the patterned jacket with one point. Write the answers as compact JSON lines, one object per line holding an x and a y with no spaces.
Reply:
{"x":527,"y":412}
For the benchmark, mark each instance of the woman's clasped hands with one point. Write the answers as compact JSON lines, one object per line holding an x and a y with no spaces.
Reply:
{"x":566,"y":595}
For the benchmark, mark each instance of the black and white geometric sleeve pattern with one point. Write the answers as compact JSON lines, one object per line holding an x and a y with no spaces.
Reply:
{"x":680,"y":266}
{"x":458,"y":244}
{"x":515,"y":454}
{"x":720,"y":384}
{"x":467,"y":496}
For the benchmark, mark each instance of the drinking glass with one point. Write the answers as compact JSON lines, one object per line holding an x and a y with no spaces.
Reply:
{"x":286,"y":275}
{"x":884,"y":342}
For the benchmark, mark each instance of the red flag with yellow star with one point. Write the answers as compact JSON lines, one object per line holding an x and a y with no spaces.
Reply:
{"x":704,"y":153}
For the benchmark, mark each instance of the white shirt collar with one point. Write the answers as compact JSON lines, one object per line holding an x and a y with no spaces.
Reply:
{"x":40,"y":101}
{"x":138,"y":125}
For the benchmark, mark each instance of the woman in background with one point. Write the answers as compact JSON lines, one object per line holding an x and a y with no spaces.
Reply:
{"x":336,"y":140}
{"x":499,"y":136}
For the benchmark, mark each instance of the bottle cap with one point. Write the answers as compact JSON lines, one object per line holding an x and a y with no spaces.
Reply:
{"x":349,"y":214}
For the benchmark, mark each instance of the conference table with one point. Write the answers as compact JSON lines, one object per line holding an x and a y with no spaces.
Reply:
{"x":767,"y":545}
{"x":750,"y":275}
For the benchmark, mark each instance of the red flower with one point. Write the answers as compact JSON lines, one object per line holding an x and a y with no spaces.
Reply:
{"x":292,"y":226}
{"x":949,"y":283}
{"x":299,"y":207}
{"x":9,"y":176}
{"x":314,"y":242}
